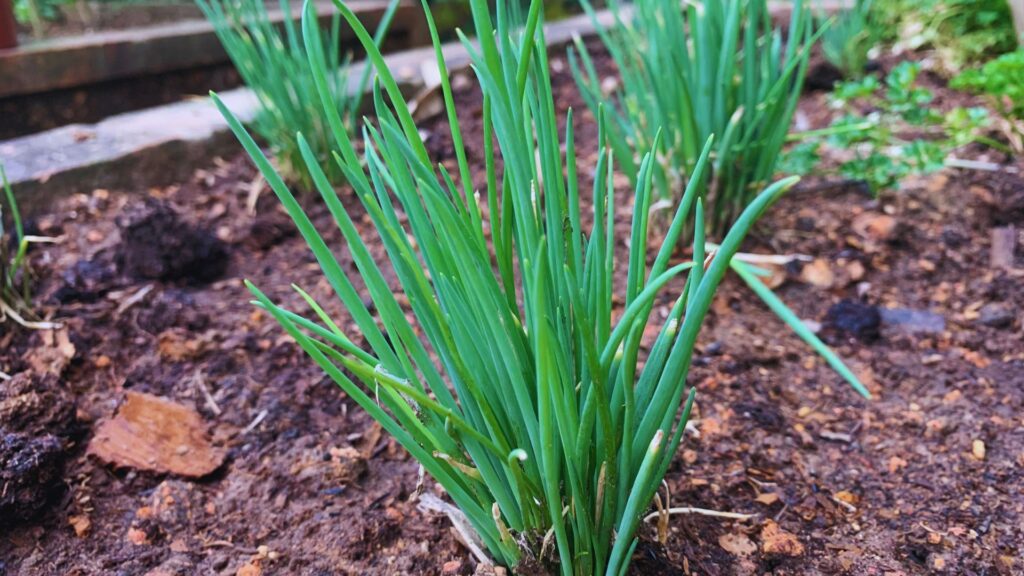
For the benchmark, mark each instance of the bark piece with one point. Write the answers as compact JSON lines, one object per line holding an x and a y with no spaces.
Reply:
{"x":777,"y":542}
{"x":1004,"y":243}
{"x":155,"y":434}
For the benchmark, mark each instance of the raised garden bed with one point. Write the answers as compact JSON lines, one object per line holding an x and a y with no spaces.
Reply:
{"x":87,"y":77}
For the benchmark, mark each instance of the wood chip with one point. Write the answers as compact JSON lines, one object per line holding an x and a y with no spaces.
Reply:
{"x":152,"y":433}
{"x":778,"y":542}
{"x":737,"y":544}
{"x":1004,"y":243}
{"x":818,"y":273}
{"x":81,"y":524}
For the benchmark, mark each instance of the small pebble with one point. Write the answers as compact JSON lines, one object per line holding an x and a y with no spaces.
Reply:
{"x":978,"y":450}
{"x":995,"y":316}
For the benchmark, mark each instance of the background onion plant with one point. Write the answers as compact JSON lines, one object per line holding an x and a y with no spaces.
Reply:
{"x":847,"y":40}
{"x":518,"y":382}
{"x":696,"y":69}
{"x":271,"y":59}
{"x":15,"y":274}
{"x":709,"y":68}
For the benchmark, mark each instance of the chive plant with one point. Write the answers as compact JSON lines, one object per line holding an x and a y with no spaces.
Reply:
{"x":850,"y":37}
{"x":15,"y":275}
{"x":271,"y":59}
{"x":518,"y":382}
{"x":707,"y":68}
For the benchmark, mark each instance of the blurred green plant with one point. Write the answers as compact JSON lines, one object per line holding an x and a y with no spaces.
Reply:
{"x":15,"y":274}
{"x":272,"y":61}
{"x":689,"y":72}
{"x":901,"y":134}
{"x":1002,"y":79}
{"x":36,"y":13}
{"x":847,"y":40}
{"x":962,"y":32}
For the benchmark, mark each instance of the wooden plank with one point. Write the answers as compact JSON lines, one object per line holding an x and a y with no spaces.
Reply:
{"x":92,"y":58}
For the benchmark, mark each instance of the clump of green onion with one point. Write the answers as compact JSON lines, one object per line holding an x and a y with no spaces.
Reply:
{"x":15,"y":275}
{"x":271,"y":59}
{"x":707,"y":68}
{"x":518,"y":382}
{"x":849,"y":38}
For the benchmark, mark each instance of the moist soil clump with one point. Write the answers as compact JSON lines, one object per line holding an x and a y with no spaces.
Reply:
{"x":158,"y":244}
{"x":30,"y":474}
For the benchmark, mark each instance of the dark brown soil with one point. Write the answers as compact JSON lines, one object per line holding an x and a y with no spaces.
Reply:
{"x":926,"y":478}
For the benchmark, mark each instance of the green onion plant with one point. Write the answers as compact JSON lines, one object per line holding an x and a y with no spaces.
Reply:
{"x":271,"y":59}
{"x":848,"y":39}
{"x":709,"y":68}
{"x":516,"y":381}
{"x":15,"y":274}
{"x":696,"y":70}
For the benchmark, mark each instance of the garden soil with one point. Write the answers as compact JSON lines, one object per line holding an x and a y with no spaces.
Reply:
{"x":925,"y":478}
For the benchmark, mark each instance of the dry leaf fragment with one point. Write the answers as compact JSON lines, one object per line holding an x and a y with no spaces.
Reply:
{"x":896,"y":464}
{"x":250,"y":569}
{"x":848,"y":497}
{"x":175,"y":345}
{"x":855,"y":270}
{"x":876,"y":227}
{"x":54,"y":353}
{"x":137,"y":537}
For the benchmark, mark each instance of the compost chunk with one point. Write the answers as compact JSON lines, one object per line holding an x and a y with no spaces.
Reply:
{"x":158,"y":244}
{"x":30,"y":475}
